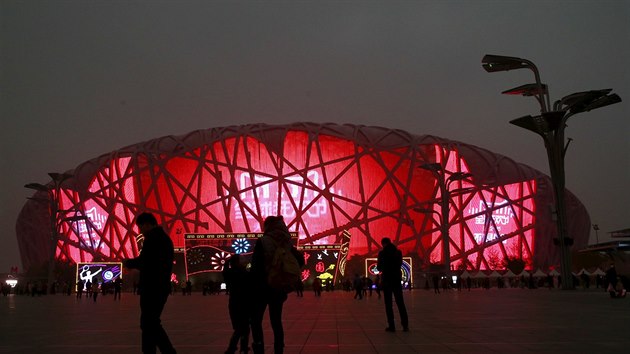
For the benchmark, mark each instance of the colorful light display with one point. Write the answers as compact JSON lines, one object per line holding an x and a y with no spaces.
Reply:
{"x":322,"y":263}
{"x":210,"y":252}
{"x":101,"y":272}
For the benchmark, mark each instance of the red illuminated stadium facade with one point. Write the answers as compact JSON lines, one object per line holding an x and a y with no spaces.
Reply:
{"x":325,"y":179}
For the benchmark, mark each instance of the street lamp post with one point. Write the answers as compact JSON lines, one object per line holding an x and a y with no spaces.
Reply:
{"x":52,"y":189}
{"x":550,"y":126}
{"x":445,"y":196}
{"x":596,"y":228}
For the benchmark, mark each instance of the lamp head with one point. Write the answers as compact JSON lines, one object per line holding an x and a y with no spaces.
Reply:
{"x":527,"y":90}
{"x":579,"y":102}
{"x":433,"y":167}
{"x":60,"y":177}
{"x":492,"y":63}
{"x":458,"y":176}
{"x":602,"y":102}
{"x":542,"y":124}
{"x":37,"y":186}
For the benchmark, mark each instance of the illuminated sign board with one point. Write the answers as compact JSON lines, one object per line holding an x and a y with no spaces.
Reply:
{"x":406,"y":269}
{"x":101,"y":272}
{"x":208,"y":252}
{"x":321,"y":263}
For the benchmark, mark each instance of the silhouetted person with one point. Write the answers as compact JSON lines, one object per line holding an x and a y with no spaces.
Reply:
{"x":377,"y":285}
{"x":389,"y":264}
{"x":188,"y":287}
{"x":276,"y":234}
{"x":238,"y":282}
{"x":155,"y":263}
{"x":299,"y":290}
{"x":79,"y":289}
{"x":436,"y":284}
{"x":95,"y":290}
{"x":317,"y":287}
{"x":369,"y":284}
{"x":117,"y":288}
{"x":357,"y":284}
{"x":183,"y":287}
{"x":329,"y":285}
{"x":611,"y":276}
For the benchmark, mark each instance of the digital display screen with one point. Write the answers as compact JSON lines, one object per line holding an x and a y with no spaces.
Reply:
{"x":101,"y":272}
{"x":209,"y":252}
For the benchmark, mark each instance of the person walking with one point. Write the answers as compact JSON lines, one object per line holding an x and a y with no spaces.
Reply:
{"x":389,"y":263}
{"x":238,"y":284}
{"x":357,"y":284}
{"x":436,"y":283}
{"x":299,"y":290}
{"x":377,"y":285}
{"x":611,"y":277}
{"x":155,"y":264}
{"x":95,"y":289}
{"x":276,"y":237}
{"x":117,"y":288}
{"x":79,"y":289}
{"x":317,"y":286}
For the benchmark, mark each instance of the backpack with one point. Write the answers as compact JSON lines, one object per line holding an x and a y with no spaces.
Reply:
{"x":284,"y":272}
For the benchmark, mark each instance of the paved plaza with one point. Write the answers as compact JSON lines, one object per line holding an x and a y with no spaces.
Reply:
{"x":479,"y":321}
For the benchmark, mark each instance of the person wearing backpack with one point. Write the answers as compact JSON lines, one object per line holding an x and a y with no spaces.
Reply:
{"x":276,"y":269}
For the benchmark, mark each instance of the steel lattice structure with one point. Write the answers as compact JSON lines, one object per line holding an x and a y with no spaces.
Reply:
{"x":323,"y":178}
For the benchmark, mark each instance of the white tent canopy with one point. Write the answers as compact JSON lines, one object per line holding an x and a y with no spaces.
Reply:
{"x":524,"y":273}
{"x":539,"y":273}
{"x":598,"y":271}
{"x":583,"y":271}
{"x":465,"y":274}
{"x":509,"y":274}
{"x":480,"y":275}
{"x":495,"y":274}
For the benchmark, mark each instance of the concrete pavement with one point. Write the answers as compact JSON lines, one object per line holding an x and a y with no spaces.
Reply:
{"x":479,"y":321}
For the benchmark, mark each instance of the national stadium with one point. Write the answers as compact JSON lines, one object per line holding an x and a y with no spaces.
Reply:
{"x":432,"y":196}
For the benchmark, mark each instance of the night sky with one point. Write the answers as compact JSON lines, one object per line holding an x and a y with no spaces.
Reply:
{"x":82,"y":78}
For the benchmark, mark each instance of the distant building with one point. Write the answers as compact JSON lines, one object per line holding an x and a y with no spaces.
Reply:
{"x":625,"y":233}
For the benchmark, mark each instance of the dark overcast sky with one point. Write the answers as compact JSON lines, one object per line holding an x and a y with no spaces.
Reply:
{"x":83,"y":78}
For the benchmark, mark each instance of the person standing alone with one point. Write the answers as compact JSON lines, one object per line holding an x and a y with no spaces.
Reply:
{"x":389,"y":263}
{"x":117,"y":287}
{"x":155,"y":264}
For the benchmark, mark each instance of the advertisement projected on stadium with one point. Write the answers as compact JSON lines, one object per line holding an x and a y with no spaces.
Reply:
{"x":261,"y":193}
{"x":493,"y":218}
{"x":101,"y":272}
